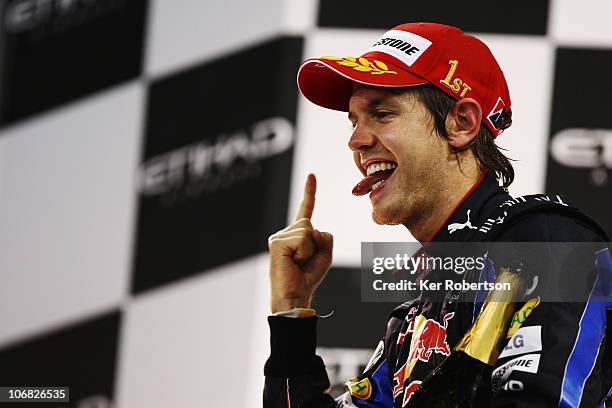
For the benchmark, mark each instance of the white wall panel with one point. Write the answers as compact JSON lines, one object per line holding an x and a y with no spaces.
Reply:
{"x":187,"y":344}
{"x":259,"y":336}
{"x":67,"y":194}
{"x":299,"y":16}
{"x":187,"y":31}
{"x":581,"y":23}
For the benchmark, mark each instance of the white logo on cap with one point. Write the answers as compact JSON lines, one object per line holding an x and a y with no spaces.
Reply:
{"x":495,"y":117}
{"x":406,"y":47}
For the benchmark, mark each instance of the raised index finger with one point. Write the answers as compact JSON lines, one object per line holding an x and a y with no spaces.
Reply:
{"x":308,"y":200}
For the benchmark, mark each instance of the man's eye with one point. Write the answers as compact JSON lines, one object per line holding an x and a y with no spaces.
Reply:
{"x":382,"y":114}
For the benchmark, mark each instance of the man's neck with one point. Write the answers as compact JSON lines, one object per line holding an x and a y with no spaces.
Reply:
{"x":444,"y":202}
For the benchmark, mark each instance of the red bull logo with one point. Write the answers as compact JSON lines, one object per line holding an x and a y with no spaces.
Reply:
{"x":398,"y":381}
{"x":410,"y":389}
{"x":429,"y":337}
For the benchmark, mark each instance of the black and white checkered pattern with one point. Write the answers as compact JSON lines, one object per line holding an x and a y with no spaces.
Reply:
{"x":148,"y":148}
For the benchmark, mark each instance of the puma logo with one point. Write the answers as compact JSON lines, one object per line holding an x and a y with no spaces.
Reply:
{"x":457,"y":225}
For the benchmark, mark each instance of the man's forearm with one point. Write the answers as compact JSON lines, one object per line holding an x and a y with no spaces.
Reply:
{"x":295,"y":375}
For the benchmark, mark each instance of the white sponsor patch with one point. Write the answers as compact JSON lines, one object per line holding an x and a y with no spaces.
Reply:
{"x":406,"y":47}
{"x":528,"y":364}
{"x":525,"y":340}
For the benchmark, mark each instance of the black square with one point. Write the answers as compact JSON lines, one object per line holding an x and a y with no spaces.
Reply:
{"x":217,"y":162}
{"x":474,"y":16}
{"x":580,"y":144}
{"x":82,"y":357}
{"x":54,"y":51}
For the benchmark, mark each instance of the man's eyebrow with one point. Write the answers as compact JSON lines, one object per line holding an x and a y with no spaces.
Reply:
{"x":375,"y":103}
{"x":372,"y":105}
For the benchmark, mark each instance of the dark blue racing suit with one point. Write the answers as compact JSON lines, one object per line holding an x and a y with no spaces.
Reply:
{"x":571,"y":366}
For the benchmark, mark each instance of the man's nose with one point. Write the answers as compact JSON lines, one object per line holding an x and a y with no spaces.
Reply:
{"x":361,"y":138}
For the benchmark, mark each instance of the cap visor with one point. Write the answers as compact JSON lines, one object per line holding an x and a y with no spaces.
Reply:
{"x":328,"y":83}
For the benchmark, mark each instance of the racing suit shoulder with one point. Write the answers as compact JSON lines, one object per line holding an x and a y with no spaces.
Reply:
{"x":538,"y":218}
{"x":552,"y":224}
{"x":556,"y":353}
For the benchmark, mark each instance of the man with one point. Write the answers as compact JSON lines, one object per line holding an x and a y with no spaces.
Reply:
{"x":426,"y":102}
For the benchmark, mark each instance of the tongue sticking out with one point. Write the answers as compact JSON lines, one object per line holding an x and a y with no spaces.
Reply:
{"x":365,"y":185}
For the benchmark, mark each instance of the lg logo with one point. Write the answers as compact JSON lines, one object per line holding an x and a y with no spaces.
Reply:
{"x":585,"y":148}
{"x":515,"y":342}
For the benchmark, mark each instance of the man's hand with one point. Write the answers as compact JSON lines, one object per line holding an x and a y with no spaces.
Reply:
{"x":300,"y":257}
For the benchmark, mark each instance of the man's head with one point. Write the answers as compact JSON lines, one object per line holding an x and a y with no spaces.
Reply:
{"x":412,"y":145}
{"x":426,"y":101}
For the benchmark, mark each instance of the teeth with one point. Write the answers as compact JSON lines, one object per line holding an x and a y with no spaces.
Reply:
{"x":373,"y":168}
{"x":375,"y":185}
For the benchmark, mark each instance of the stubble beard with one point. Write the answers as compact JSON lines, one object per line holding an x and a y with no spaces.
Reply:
{"x":406,"y":207}
{"x":398,"y":211}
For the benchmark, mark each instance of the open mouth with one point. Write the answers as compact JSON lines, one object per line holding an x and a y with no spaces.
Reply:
{"x":377,"y":173}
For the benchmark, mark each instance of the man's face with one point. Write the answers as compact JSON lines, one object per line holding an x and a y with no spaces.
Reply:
{"x":396,"y":130}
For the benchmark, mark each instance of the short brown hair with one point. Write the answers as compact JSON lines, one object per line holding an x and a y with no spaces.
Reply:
{"x":488,"y":154}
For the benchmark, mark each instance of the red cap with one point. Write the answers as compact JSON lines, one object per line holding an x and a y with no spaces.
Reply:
{"x":414,"y":54}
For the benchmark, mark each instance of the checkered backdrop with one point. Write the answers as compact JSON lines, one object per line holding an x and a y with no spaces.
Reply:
{"x":148,"y":148}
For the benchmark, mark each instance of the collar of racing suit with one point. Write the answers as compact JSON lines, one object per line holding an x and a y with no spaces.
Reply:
{"x":481,"y":200}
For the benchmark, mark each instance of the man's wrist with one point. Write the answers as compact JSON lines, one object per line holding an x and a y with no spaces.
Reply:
{"x":286,"y":305}
{"x":297,"y":312}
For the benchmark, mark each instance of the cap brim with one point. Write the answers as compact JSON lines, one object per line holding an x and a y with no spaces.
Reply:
{"x":329,"y":84}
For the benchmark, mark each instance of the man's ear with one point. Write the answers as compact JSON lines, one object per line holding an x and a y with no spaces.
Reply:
{"x":463,"y":122}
